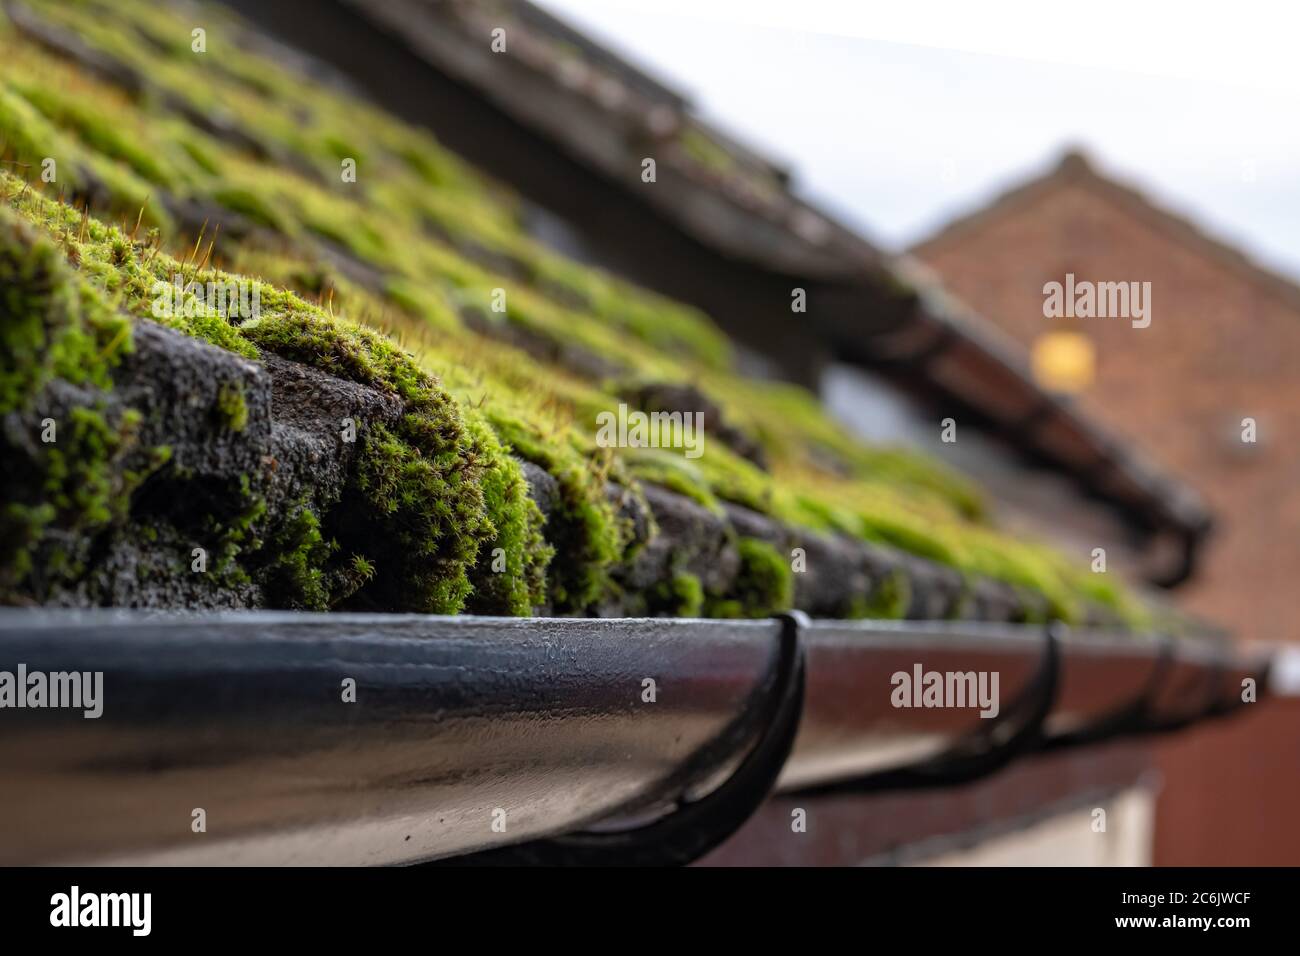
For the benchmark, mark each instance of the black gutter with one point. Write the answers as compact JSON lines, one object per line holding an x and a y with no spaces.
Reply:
{"x":241,"y":714}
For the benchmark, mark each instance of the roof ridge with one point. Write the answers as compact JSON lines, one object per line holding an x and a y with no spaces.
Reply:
{"x":1075,"y":167}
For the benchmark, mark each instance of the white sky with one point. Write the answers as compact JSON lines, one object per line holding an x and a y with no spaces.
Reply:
{"x":898,"y":116}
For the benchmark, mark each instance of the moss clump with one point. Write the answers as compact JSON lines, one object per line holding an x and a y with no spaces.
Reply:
{"x":97,"y":130}
{"x":421,"y":514}
{"x":680,"y":596}
{"x":764,"y":584}
{"x":421,"y":510}
{"x":231,"y":407}
{"x":295,"y":577}
{"x":585,"y":527}
{"x":591,"y":536}
{"x":890,"y":597}
{"x":292,"y":329}
{"x":77,"y":481}
{"x":236,"y":529}
{"x":27,"y":135}
{"x":84,"y":487}
{"x":39,"y":308}
{"x":52,"y":326}
{"x":420,"y":483}
{"x":73,"y":474}
{"x":251,"y":205}
{"x":510,"y":574}
{"x":670,"y":470}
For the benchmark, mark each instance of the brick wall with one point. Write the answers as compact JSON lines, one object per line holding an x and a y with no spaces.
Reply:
{"x":1221,"y":346}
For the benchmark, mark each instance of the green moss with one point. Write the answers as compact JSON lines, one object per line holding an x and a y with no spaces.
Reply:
{"x":40,"y":309}
{"x":251,"y":205}
{"x":421,"y":497}
{"x":337,"y":223}
{"x":295,"y":330}
{"x":416,"y":300}
{"x":763,"y":585}
{"x":706,"y":152}
{"x":193,"y":146}
{"x":295,"y":576}
{"x":793,"y":425}
{"x":232,"y":408}
{"x":97,"y":130}
{"x":84,"y":488}
{"x":77,"y":484}
{"x":662,"y":324}
{"x":585,"y":527}
{"x":681,"y":596}
{"x":28,"y":137}
{"x":431,"y":165}
{"x":340,"y":148}
{"x":237,"y":533}
{"x":362,"y":567}
{"x":890,"y":598}
{"x":211,"y":327}
{"x":419,"y":484}
{"x":671,"y":470}
{"x":427,"y":239}
{"x":510,"y":574}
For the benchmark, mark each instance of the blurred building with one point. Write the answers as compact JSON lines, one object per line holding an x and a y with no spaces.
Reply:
{"x":1221,"y":354}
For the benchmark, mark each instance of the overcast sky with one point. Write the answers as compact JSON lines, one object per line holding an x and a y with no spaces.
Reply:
{"x":900,"y":116}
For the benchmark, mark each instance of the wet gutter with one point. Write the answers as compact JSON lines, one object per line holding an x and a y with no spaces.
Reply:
{"x":541,"y":727}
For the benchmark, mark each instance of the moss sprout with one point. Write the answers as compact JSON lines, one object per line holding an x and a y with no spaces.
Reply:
{"x":232,"y":408}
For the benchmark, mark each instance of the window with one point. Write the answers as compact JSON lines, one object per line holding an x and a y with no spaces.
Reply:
{"x":1064,"y":361}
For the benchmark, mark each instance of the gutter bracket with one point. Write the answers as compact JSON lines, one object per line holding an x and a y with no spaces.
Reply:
{"x":1131,"y":719}
{"x":693,"y":828}
{"x":1150,"y":725}
{"x":1019,"y":731}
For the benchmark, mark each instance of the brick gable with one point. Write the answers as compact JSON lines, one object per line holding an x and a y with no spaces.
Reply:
{"x":1224,"y":343}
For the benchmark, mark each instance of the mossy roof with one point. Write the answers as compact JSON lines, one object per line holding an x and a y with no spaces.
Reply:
{"x":228,"y":163}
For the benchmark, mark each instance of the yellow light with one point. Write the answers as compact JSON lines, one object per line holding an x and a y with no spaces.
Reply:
{"x":1064,"y":361}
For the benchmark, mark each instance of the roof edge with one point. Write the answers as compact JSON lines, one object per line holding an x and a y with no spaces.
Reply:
{"x":1075,"y":167}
